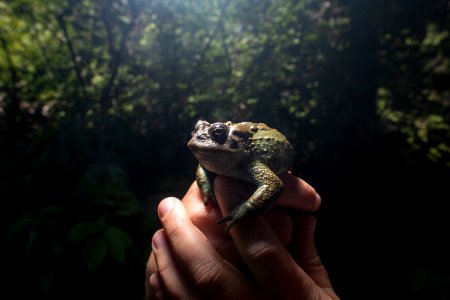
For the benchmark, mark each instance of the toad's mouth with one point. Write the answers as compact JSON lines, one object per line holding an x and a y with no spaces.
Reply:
{"x":212,"y":149}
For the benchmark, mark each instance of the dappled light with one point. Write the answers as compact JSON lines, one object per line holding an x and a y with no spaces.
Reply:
{"x":98,"y":100}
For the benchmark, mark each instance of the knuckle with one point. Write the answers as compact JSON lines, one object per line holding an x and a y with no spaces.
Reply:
{"x":207,"y":276}
{"x":314,"y":261}
{"x":308,"y":291}
{"x":164,"y":267}
{"x":264,"y":253}
{"x":313,"y":264}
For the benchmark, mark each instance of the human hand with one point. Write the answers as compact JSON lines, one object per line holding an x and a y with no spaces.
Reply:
{"x":196,"y":258}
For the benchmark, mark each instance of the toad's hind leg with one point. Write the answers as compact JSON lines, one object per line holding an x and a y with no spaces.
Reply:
{"x":269,"y":188}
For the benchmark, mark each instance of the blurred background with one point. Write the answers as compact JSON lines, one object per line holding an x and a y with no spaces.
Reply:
{"x":98,"y":100}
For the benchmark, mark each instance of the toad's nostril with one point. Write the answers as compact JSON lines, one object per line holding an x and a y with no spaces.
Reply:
{"x":202,"y":136}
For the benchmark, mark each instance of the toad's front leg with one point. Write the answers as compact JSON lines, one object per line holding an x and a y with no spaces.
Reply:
{"x":205,"y":180}
{"x":269,"y":187}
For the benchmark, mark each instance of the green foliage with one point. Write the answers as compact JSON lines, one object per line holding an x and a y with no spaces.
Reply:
{"x":97,"y":239}
{"x":97,"y":100}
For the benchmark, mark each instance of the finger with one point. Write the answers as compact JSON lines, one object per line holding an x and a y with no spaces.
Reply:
{"x":298,"y":194}
{"x":263,"y":252}
{"x":305,"y":251}
{"x":156,"y":283}
{"x":168,"y":275}
{"x":201,"y":215}
{"x":205,"y":218}
{"x":269,"y":260}
{"x":197,"y":258}
{"x":151,"y":268}
{"x":233,"y":192}
{"x":281,"y":224}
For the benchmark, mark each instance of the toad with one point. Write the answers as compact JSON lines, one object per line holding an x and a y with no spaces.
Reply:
{"x":247,"y":151}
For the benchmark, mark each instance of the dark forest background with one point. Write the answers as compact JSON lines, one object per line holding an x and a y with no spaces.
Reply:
{"x":98,"y":99}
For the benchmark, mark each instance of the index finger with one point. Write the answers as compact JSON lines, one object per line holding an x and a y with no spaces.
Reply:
{"x":201,"y":265}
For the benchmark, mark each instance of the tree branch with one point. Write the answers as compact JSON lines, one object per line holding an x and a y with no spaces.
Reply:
{"x":116,"y":57}
{"x":208,"y":45}
{"x":14,"y":105}
{"x":70,"y":46}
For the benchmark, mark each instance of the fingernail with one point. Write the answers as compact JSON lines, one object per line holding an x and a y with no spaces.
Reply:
{"x":165,"y":206}
{"x":158,"y":240}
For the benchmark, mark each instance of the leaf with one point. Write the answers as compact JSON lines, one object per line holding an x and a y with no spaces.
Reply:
{"x":118,"y":241}
{"x":31,"y":239}
{"x":127,"y":210}
{"x":47,"y":279}
{"x":94,"y":252}
{"x":52,"y":211}
{"x":82,"y":230}
{"x":18,"y":225}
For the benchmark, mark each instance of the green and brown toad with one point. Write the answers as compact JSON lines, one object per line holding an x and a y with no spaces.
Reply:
{"x":245,"y":151}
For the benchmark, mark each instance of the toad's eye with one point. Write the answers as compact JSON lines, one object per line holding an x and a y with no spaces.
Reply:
{"x":219,"y":132}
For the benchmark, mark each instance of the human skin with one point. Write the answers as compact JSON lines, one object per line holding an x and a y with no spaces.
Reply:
{"x":261,"y":257}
